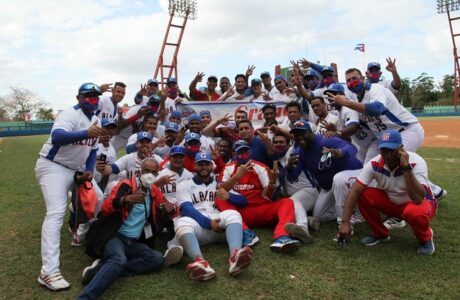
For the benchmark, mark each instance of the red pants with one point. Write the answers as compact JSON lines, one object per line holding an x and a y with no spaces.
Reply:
{"x":374,"y":201}
{"x":281,"y":211}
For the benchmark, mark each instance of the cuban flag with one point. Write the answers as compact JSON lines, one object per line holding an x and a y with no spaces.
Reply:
{"x":360,"y":47}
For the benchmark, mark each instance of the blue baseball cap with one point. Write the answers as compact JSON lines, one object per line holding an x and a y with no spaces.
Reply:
{"x":194,"y":117}
{"x":171,"y":126}
{"x":108,"y":121}
{"x":175,"y":150}
{"x":335,"y":88}
{"x":280,"y":77}
{"x":192,"y":136}
{"x":202,"y":156}
{"x":311,"y":73}
{"x":326,"y":69}
{"x":176,"y":114}
{"x":240,"y":144}
{"x":390,"y":139}
{"x":256,"y":81}
{"x":205,"y":113}
{"x":265,"y":74}
{"x":152,"y":81}
{"x":144,"y":135}
{"x":89,"y":87}
{"x":300,"y":125}
{"x":373,"y":64}
{"x":171,"y":80}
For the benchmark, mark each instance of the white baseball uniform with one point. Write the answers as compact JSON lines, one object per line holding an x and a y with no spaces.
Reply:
{"x":55,"y":170}
{"x":106,"y":108}
{"x":169,"y":190}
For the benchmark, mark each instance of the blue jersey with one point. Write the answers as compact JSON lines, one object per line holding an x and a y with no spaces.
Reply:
{"x":309,"y":160}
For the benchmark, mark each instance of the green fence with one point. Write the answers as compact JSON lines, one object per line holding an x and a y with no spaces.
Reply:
{"x":25,"y":128}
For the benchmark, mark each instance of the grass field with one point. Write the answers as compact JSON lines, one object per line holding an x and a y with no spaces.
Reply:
{"x":317,"y":271}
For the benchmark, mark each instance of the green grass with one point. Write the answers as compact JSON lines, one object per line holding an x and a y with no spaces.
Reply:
{"x":320,"y":270}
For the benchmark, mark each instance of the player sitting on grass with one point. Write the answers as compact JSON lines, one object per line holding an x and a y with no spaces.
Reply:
{"x":251,"y":185}
{"x":201,"y":223}
{"x":402,"y":191}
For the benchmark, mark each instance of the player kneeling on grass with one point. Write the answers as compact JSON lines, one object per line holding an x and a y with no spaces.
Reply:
{"x":134,"y":203}
{"x":201,"y":223}
{"x":402,"y":191}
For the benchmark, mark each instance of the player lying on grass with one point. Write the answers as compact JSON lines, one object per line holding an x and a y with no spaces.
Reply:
{"x":201,"y":223}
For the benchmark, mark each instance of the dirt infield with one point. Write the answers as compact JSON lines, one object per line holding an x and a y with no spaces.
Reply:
{"x":441,"y":132}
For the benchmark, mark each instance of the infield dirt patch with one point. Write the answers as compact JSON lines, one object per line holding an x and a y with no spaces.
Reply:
{"x":441,"y":132}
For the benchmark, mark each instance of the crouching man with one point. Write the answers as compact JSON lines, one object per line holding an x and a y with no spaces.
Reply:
{"x":402,"y":192}
{"x":136,"y":202}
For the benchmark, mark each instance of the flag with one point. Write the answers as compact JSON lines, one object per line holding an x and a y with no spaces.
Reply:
{"x":360,"y":47}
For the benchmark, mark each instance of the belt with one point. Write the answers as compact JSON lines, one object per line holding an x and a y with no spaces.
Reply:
{"x":40,"y":156}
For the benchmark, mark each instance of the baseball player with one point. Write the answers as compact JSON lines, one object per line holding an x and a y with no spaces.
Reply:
{"x":402,"y":191}
{"x":201,"y":223}
{"x":195,"y":125}
{"x":71,"y":147}
{"x":373,"y":75}
{"x":108,"y":105}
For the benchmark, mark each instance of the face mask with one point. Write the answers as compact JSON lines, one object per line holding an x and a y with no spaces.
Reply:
{"x":193,"y":149}
{"x":243,"y":158}
{"x":355,"y":85}
{"x":280,"y":149}
{"x":90,"y":103}
{"x":374,"y":77}
{"x":312,"y":84}
{"x":147,"y":180}
{"x":329,"y":80}
{"x":153,"y":108}
{"x":172,"y":93}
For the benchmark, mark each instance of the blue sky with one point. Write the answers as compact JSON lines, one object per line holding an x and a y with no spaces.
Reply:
{"x":52,"y":46}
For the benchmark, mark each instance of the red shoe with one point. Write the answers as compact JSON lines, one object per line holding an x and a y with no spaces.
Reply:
{"x":240,"y":261}
{"x":200,"y":270}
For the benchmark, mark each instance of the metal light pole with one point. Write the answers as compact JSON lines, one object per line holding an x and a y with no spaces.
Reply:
{"x":448,"y":6}
{"x":185,"y":9}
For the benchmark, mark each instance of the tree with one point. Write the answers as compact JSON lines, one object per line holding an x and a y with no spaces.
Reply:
{"x":447,"y":86}
{"x":405,"y":92}
{"x":20,"y":102}
{"x":423,"y":91}
{"x":45,"y":114}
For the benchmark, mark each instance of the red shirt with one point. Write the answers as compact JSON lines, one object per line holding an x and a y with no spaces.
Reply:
{"x":198,"y":95}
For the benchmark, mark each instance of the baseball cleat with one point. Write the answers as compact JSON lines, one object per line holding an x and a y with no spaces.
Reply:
{"x":314,"y":223}
{"x":239,"y":261}
{"x":200,"y":270}
{"x":298,"y":232}
{"x":393,"y":223}
{"x":54,"y":282}
{"x":285,"y":244}
{"x":90,"y":271}
{"x":249,"y":238}
{"x":173,"y":255}
{"x":441,"y":194}
{"x":372,"y":241}
{"x":427,"y":248}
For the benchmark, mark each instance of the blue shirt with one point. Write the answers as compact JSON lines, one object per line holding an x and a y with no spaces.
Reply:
{"x":134,"y":224}
{"x":309,"y":160}
{"x":259,"y":152}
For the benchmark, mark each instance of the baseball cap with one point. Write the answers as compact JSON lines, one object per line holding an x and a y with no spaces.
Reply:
{"x":373,"y":64}
{"x":144,"y":135}
{"x":202,"y":156}
{"x":171,"y":126}
{"x":300,"y":125}
{"x":176,"y":114}
{"x":205,"y":113}
{"x":177,"y":150}
{"x":89,"y":87}
{"x":240,"y":144}
{"x":390,"y":139}
{"x":171,"y":80}
{"x":327,"y":69}
{"x":335,"y":88}
{"x":192,"y":136}
{"x":108,"y":121}
{"x":265,"y":74}
{"x":212,"y":78}
{"x":311,"y":73}
{"x":194,"y":117}
{"x":280,"y":77}
{"x":152,"y":81}
{"x":255,"y":81}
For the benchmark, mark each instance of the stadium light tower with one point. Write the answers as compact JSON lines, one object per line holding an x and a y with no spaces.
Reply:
{"x":185,"y":9}
{"x":448,"y":6}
